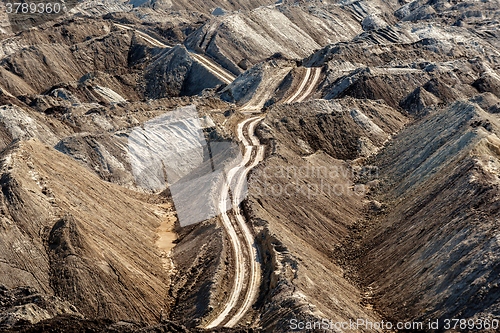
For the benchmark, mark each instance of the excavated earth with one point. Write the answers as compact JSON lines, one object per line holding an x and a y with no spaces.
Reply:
{"x":377,"y":198}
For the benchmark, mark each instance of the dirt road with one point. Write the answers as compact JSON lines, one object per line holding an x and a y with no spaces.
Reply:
{"x":307,"y":85}
{"x":247,"y":268}
{"x":151,"y":40}
{"x":266,"y":89}
{"x":214,"y":68}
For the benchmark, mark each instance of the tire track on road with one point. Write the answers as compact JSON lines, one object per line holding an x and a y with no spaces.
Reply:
{"x":246,"y":284}
{"x":218,"y":71}
{"x":301,"y":87}
{"x":307,"y":85}
{"x":264,"y":92}
{"x":311,"y":85}
{"x":151,"y":40}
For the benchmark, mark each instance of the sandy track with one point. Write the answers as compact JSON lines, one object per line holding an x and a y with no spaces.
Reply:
{"x":265,"y":91}
{"x":214,"y":68}
{"x":307,"y":85}
{"x":301,"y":87}
{"x":251,"y":246}
{"x":247,"y":267}
{"x":153,"y":41}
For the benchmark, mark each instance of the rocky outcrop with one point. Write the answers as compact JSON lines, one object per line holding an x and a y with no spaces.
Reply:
{"x":104,"y":154}
{"x":334,"y":126}
{"x":209,"y":6}
{"x":418,"y":102}
{"x":25,"y":305}
{"x":265,"y":31}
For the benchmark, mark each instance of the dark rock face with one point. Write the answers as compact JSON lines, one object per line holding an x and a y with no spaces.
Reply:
{"x":26,"y":306}
{"x":488,"y":83}
{"x":418,"y":101}
{"x":175,"y":73}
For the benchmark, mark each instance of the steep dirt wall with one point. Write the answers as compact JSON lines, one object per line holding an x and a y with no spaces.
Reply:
{"x":433,"y":251}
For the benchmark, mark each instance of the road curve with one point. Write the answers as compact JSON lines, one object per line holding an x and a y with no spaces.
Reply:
{"x":307,"y":85}
{"x":311,"y":84}
{"x":265,"y":91}
{"x":247,"y":268}
{"x":301,"y":87}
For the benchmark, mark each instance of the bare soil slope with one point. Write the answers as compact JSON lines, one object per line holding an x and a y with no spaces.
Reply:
{"x":68,"y":233}
{"x":438,"y":234}
{"x":305,"y":197}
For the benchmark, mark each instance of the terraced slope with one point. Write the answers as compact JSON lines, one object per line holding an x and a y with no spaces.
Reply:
{"x":376,"y":196}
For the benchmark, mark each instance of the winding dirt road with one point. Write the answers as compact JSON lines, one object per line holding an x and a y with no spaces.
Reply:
{"x":214,"y":68}
{"x":265,"y":90}
{"x":247,"y":273}
{"x":247,"y":267}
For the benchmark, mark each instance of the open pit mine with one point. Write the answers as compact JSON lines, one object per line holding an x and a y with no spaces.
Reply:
{"x":249,"y":166}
